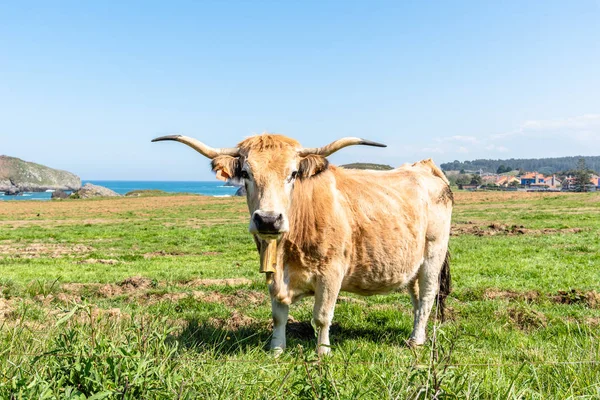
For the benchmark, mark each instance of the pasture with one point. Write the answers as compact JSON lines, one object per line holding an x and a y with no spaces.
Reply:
{"x":160,"y":297}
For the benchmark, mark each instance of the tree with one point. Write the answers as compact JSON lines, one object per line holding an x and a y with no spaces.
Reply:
{"x":502,"y":169}
{"x":476,"y":180}
{"x":582,"y":176}
{"x":463,"y":180}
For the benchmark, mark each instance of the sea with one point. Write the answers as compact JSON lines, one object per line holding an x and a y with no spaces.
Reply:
{"x":212,"y":188}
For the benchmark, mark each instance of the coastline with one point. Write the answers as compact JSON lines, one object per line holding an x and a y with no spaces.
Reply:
{"x":206,"y":188}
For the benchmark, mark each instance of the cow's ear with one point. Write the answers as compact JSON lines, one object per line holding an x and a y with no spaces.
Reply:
{"x":226,"y":167}
{"x":312,"y":165}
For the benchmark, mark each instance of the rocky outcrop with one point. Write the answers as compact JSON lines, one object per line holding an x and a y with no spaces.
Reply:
{"x":18,"y":176}
{"x":89,"y":191}
{"x":241,"y":191}
{"x":59,"y":194}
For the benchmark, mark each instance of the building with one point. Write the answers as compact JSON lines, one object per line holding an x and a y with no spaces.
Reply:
{"x":532,"y":178}
{"x":506,"y":181}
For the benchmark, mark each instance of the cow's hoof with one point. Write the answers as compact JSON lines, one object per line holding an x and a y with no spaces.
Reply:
{"x":414,"y":342}
{"x":276,"y":352}
{"x":324,"y":350}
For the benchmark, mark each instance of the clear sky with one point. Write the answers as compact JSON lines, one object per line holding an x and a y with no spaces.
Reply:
{"x":85,"y":85}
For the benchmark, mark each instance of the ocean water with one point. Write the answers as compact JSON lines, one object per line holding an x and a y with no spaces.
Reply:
{"x":213,"y":188}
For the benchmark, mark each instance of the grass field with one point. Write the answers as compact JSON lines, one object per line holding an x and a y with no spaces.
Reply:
{"x":160,"y":297}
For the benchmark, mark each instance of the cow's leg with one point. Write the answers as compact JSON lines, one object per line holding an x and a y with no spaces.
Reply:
{"x":428,"y":281}
{"x":413,"y":290}
{"x":326,"y":294}
{"x":280,"y":316}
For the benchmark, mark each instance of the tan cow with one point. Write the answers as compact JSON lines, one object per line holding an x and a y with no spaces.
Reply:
{"x":366,"y":232}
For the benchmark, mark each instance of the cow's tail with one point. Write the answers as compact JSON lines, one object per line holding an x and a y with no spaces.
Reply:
{"x":445,"y":281}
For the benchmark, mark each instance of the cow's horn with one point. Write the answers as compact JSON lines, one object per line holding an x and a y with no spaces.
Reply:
{"x":200,"y":147}
{"x":337,"y":145}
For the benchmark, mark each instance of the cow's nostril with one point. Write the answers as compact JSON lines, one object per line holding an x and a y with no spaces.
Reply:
{"x":280,"y":218}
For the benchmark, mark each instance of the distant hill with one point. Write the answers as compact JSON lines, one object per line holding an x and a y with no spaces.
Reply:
{"x":378,"y":167}
{"x":18,"y":176}
{"x":543,"y":165}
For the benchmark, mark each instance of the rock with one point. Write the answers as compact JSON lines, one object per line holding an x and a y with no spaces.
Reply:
{"x":12,"y":191}
{"x":59,"y":194}
{"x":18,"y":176}
{"x":89,"y":191}
{"x":241,"y":191}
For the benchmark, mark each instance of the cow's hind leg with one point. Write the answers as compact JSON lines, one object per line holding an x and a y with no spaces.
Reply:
{"x":326,"y":294}
{"x":428,"y":284}
{"x":413,"y":290}
{"x":280,"y":313}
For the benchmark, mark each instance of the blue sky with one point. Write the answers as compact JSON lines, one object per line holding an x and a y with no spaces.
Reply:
{"x":85,"y":86}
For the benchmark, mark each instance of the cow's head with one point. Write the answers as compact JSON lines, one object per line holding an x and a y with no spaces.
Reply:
{"x":268,"y":165}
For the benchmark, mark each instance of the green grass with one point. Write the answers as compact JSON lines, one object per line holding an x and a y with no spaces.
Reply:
{"x":524,"y":319}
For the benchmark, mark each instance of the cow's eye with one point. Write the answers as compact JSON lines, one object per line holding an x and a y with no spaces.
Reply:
{"x":245,"y":174}
{"x":293,"y":176}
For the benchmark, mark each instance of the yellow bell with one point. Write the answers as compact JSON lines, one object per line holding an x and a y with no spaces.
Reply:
{"x":268,"y":259}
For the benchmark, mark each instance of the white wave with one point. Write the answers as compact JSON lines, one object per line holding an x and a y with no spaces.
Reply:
{"x":222,"y":195}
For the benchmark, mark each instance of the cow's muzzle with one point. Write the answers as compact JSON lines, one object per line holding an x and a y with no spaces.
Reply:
{"x":268,"y":223}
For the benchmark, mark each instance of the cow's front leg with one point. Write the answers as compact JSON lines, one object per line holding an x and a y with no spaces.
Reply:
{"x":280,"y":316}
{"x":326,"y":294}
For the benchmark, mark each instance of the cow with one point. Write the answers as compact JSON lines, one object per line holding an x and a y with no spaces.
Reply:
{"x":337,"y":229}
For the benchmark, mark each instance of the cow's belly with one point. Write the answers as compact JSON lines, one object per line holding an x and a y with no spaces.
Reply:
{"x":379,"y":279}
{"x":385,"y":264}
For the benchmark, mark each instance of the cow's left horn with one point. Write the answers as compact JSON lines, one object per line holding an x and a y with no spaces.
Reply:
{"x":337,"y":145}
{"x":200,"y":147}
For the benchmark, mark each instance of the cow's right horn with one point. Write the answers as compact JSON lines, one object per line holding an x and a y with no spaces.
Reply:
{"x":200,"y":147}
{"x":337,"y":145}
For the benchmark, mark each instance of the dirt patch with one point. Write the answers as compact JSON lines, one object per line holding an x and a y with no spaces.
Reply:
{"x":99,"y":261}
{"x":7,"y":308}
{"x":593,"y":321}
{"x":76,"y":288}
{"x":238,"y":299}
{"x":218,"y":282}
{"x":492,"y":229}
{"x":68,"y":298}
{"x":130,"y":286}
{"x":591,"y":299}
{"x":152,"y":298}
{"x":37,"y":250}
{"x":137,"y":283}
{"x":526,"y":319}
{"x":109,"y":290}
{"x":235,"y":321}
{"x":494,"y":294}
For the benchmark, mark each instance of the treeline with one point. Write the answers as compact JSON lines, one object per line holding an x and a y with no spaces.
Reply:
{"x":542,"y":165}
{"x":378,"y":167}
